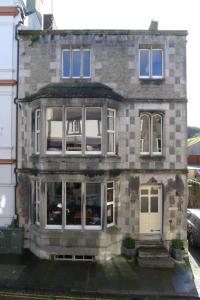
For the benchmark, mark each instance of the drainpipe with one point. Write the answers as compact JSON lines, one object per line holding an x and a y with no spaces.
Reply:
{"x":15,"y":102}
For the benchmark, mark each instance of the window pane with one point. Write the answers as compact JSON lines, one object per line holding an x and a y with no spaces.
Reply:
{"x":66,"y":63}
{"x":157,"y":63}
{"x":110,"y":215}
{"x":154,"y":204}
{"x":93,"y":204}
{"x":154,"y":191}
{"x":74,"y":129}
{"x":110,"y":142}
{"x":156,"y":139}
{"x":110,"y":193}
{"x":54,"y":203}
{"x":73,"y":203}
{"x":93,"y":129}
{"x":144,"y":63}
{"x":144,"y":204}
{"x":54,"y":129}
{"x":86,"y":63}
{"x":144,"y":133}
{"x":144,"y":192}
{"x":76,"y":67}
{"x":110,"y":122}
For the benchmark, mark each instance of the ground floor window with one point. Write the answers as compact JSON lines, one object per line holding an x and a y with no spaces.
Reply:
{"x":75,"y":205}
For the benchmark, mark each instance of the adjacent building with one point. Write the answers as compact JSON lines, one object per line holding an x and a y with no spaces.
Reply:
{"x":12,"y":15}
{"x":102,"y":140}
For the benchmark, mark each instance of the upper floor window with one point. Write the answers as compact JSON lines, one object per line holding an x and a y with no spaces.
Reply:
{"x":76,"y":63}
{"x":151,"y":63}
{"x":78,"y":130}
{"x":151,"y":139}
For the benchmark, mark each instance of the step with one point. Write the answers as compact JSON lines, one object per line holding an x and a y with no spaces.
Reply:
{"x":151,"y":243}
{"x":156,"y":262}
{"x":153,"y":252}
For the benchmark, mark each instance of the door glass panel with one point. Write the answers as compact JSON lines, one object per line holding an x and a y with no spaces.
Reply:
{"x":154,"y":191}
{"x":154,"y":204}
{"x":73,"y":203}
{"x":144,"y":204}
{"x":144,"y":192}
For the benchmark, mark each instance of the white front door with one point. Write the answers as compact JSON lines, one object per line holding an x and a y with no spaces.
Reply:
{"x":150,"y":210}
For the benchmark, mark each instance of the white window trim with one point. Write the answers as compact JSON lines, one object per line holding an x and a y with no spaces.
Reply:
{"x":112,"y":131}
{"x":161,"y":134}
{"x":151,"y":76}
{"x":37,"y":130}
{"x":71,"y":51}
{"x":151,"y":152}
{"x":149,"y":117}
{"x":110,"y":203}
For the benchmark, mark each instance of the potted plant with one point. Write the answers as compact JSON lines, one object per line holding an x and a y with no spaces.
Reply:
{"x":128,"y":247}
{"x":177,"y":249}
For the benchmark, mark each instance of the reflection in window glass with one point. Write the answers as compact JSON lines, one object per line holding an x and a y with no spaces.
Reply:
{"x":54,"y":129}
{"x":73,"y":203}
{"x":54,"y":203}
{"x":144,"y":63}
{"x":144,"y":134}
{"x":86,"y":63}
{"x":144,"y":204}
{"x":157,"y":127}
{"x":76,"y":64}
{"x":93,"y":129}
{"x":93,"y":204}
{"x":66,"y":63}
{"x":154,"y":204}
{"x":74,"y":129}
{"x":157,"y":63}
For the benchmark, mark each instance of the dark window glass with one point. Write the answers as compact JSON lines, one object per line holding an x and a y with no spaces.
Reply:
{"x":110,"y":217}
{"x":157,"y":63}
{"x":144,"y":204}
{"x":73,"y":203}
{"x":66,"y":63}
{"x":93,"y":204}
{"x":76,"y":67}
{"x":54,"y":203}
{"x":144,"y":63}
{"x":154,"y":204}
{"x":86,"y":63}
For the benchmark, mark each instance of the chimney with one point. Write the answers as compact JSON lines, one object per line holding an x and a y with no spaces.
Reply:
{"x":48,"y":21}
{"x":153,"y":26}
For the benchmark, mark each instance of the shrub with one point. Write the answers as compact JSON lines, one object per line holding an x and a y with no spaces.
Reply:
{"x":129,"y":243}
{"x":177,"y":244}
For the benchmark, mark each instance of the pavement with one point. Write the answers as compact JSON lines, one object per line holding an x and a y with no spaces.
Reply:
{"x":27,"y":277}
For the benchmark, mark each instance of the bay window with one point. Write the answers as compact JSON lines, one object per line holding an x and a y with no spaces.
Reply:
{"x":151,"y":125}
{"x":78,"y":205}
{"x":78,"y":130}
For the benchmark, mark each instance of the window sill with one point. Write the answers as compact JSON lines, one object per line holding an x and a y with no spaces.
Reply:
{"x":150,"y":157}
{"x":150,"y":80}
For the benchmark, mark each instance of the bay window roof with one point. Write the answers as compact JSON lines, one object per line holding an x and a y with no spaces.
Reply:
{"x":74,"y":90}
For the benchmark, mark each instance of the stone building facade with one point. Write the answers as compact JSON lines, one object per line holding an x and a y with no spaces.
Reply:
{"x":102,"y":140}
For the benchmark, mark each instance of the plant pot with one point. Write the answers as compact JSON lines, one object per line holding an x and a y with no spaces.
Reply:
{"x":129,"y":253}
{"x":178,"y":254}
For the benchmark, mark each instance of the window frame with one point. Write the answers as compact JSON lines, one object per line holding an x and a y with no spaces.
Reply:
{"x":71,"y":51}
{"x":150,"y":63}
{"x":37,"y":131}
{"x":151,"y":117}
{"x":109,"y":131}
{"x":46,"y":150}
{"x":110,"y":203}
{"x":85,"y":134}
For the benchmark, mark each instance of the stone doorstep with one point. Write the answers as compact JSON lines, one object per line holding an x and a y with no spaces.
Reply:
{"x":156,"y":262}
{"x":153,"y":252}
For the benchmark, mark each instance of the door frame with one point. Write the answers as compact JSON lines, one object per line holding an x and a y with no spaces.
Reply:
{"x":152,"y":235}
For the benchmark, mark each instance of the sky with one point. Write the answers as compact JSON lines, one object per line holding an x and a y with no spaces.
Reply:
{"x":137,"y":14}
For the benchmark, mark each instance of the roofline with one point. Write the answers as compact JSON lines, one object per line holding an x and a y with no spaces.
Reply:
{"x":104,"y":31}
